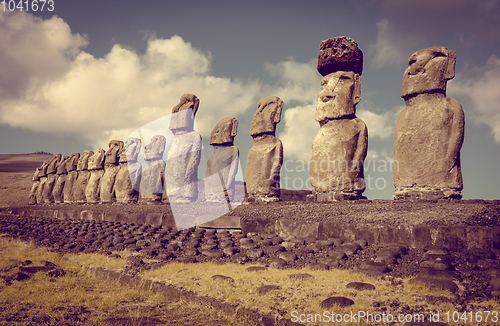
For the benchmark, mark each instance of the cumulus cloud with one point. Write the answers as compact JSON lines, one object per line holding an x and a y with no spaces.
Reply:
{"x":380,"y":125}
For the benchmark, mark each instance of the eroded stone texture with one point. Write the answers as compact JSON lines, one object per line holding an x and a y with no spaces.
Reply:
{"x":36,"y":188}
{"x":96,"y":168}
{"x":128,"y":177}
{"x":183,"y":158}
{"x":265,"y":158}
{"x":51,"y":179}
{"x":339,"y":149}
{"x":151,"y":186}
{"x":71,"y":169}
{"x":111,"y":168}
{"x":83,"y":177}
{"x":429,"y":132}
{"x":222,"y":165}
{"x":62,"y":175}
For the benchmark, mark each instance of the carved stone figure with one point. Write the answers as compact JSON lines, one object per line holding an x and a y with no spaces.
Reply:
{"x":429,"y":132}
{"x":265,"y":158}
{"x":62,"y":174}
{"x":339,"y":149}
{"x":152,"y":178}
{"x":111,"y":168}
{"x":181,"y":170}
{"x":42,"y":176}
{"x":83,"y":177}
{"x":222,"y":165}
{"x":51,"y":179}
{"x":128,"y":177}
{"x":71,"y":166}
{"x":96,"y":168}
{"x":34,"y":186}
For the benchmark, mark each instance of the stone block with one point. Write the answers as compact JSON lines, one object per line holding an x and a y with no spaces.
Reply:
{"x":298,"y":229}
{"x":154,"y":219}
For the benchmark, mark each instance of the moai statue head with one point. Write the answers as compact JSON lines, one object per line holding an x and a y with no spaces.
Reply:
{"x":96,"y":161}
{"x":112,"y":153}
{"x":340,"y":62}
{"x":266,"y":117}
{"x":52,"y":167}
{"x":72,"y":162}
{"x":43,"y":169}
{"x":428,"y":70}
{"x":154,"y":150}
{"x":224,"y":132}
{"x":130,"y":150}
{"x":83,"y":161}
{"x":61,"y":167}
{"x":184,"y":112}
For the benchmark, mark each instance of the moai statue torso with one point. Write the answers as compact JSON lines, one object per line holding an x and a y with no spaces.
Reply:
{"x":127,"y":179}
{"x":429,"y":132}
{"x":183,"y":158}
{"x":222,"y":165}
{"x":71,"y":169}
{"x":339,"y":149}
{"x":83,"y":177}
{"x":42,"y":176}
{"x":111,"y":168}
{"x":62,"y":175}
{"x":96,"y":168}
{"x":51,"y":179}
{"x":265,"y":158}
{"x":152,"y":177}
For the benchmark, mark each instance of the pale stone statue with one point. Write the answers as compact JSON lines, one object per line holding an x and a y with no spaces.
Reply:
{"x":51,"y":179}
{"x":111,"y":168}
{"x":128,"y":176}
{"x":339,"y":149}
{"x":71,"y":166}
{"x":34,"y":186}
{"x":265,"y":158}
{"x":42,"y":176}
{"x":222,"y":165}
{"x":82,"y":180}
{"x":429,"y":132}
{"x":152,"y":178}
{"x":62,"y":175}
{"x":96,"y":168}
{"x":183,"y":158}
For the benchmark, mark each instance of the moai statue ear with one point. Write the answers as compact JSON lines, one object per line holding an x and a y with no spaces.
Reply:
{"x":234,"y":128}
{"x":450,"y":70}
{"x":357,"y":88}
{"x":277,"y":115}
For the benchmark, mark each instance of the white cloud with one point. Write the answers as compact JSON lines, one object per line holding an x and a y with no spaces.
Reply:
{"x":380,"y":125}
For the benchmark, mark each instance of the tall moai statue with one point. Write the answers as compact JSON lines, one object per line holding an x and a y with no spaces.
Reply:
{"x":152,"y":178}
{"x":96,"y":168}
{"x":42,"y":176}
{"x":183,"y":158}
{"x":128,"y":178}
{"x":339,"y":149}
{"x":62,"y":175}
{"x":262,"y":175}
{"x":36,"y":183}
{"x":71,"y":169}
{"x":111,"y":168}
{"x":51,"y":179}
{"x":429,"y":132}
{"x":83,"y":177}
{"x":222,"y":165}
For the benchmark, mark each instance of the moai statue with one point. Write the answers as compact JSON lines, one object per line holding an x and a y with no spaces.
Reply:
{"x":265,"y":158}
{"x":183,"y":158}
{"x":62,"y":175}
{"x":152,"y":178}
{"x":51,"y":179}
{"x":111,"y":168}
{"x":339,"y":149}
{"x":34,"y":186}
{"x":222,"y":165}
{"x":71,"y":169}
{"x":42,"y":176}
{"x":82,"y":180}
{"x":96,"y":168}
{"x":128,"y":178}
{"x":429,"y":132}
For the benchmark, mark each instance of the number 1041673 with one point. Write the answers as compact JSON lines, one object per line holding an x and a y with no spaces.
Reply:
{"x":27,"y":5}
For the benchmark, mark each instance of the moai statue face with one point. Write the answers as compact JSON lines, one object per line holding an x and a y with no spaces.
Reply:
{"x":184,"y":112}
{"x":130,"y":150}
{"x":428,"y":69}
{"x":83,"y":162}
{"x":267,"y":116}
{"x":96,"y":161}
{"x":224,"y":132}
{"x":155,"y":148}
{"x":112,"y":152}
{"x":72,"y":162}
{"x":52,"y":167}
{"x":61,"y":167}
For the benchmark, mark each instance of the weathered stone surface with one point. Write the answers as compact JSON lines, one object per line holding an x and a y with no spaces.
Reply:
{"x":51,"y":179}
{"x":429,"y":132}
{"x":83,"y":177}
{"x":152,"y":178}
{"x":336,"y":301}
{"x":71,"y":166}
{"x":339,"y":54}
{"x":62,"y":175}
{"x":183,"y":158}
{"x":111,"y":168}
{"x":265,"y":158}
{"x":96,"y":168}
{"x":360,"y":286}
{"x":128,"y":177}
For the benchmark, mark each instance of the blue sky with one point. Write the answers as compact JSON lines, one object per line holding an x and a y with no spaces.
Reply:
{"x":92,"y":71}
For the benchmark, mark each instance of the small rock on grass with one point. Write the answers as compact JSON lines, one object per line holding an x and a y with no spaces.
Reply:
{"x":256,"y":269}
{"x":266,"y":288}
{"x":222,"y":278}
{"x":302,"y":276}
{"x":360,"y":286}
{"x":338,"y":301}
